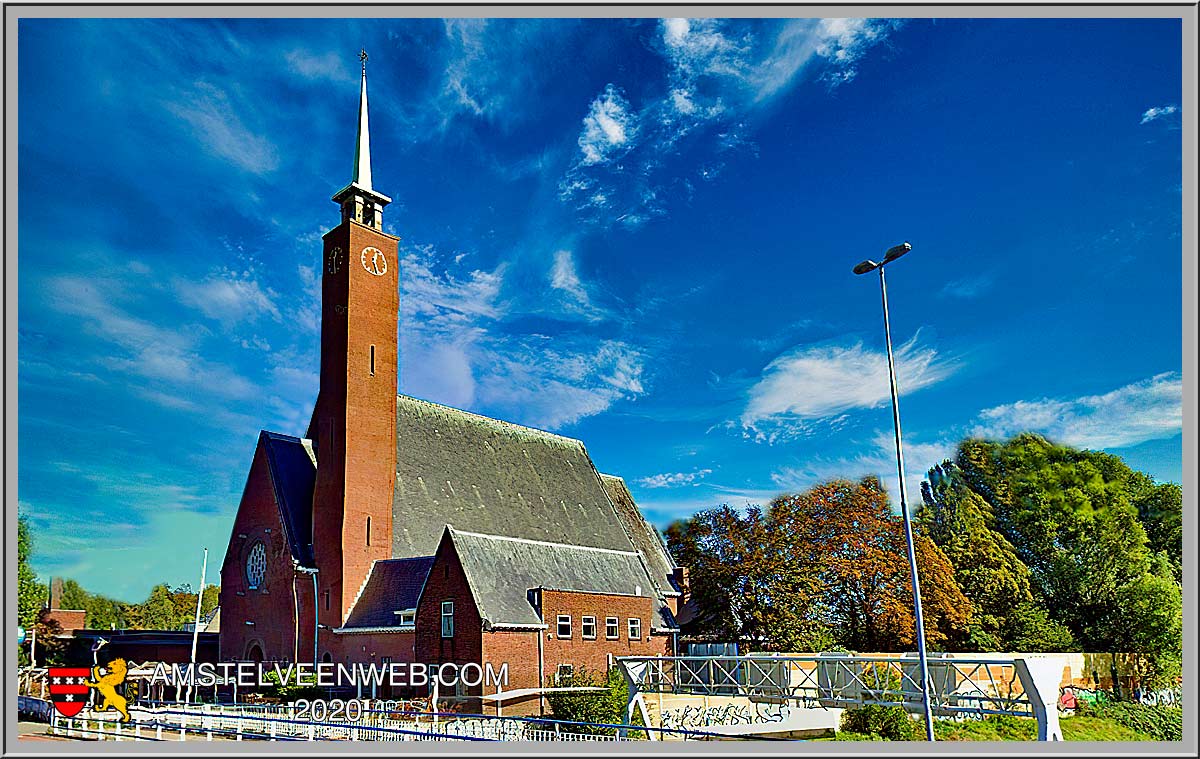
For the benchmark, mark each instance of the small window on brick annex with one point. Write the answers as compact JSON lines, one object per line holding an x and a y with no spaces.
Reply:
{"x":564,"y":625}
{"x":564,"y":672}
{"x":447,"y":619}
{"x":612,"y":628}
{"x":588,"y":626}
{"x":635,"y":629}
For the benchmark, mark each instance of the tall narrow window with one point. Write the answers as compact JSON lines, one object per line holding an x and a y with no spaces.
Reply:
{"x":372,"y":360}
{"x":327,"y":600}
{"x":368,"y":530}
{"x":635,"y":629}
{"x":447,"y":619}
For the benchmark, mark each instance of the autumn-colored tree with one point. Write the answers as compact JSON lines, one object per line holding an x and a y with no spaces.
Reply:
{"x":866,"y":581}
{"x":747,"y":581}
{"x":50,"y":646}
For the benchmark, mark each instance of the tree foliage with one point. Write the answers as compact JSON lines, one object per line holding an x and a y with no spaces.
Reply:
{"x":821,"y":568}
{"x":1098,"y":544}
{"x":31,"y":594}
{"x":606,"y":707}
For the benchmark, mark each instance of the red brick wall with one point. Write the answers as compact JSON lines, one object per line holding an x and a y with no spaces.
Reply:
{"x":446,"y":582}
{"x":594,"y":653}
{"x":67,"y":619}
{"x":269,"y":607}
{"x":355,"y":417}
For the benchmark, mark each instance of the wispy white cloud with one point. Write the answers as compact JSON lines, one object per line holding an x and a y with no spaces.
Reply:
{"x":820,"y":383}
{"x":674,"y":479}
{"x":216,"y":123}
{"x":718,"y":73}
{"x":457,"y":348}
{"x":329,"y":66}
{"x":967,"y":287}
{"x":229,"y":296}
{"x":608,"y":129}
{"x":146,"y":350}
{"x":1158,"y":112}
{"x":1151,"y":409}
{"x":877,"y":458}
{"x":564,"y":279}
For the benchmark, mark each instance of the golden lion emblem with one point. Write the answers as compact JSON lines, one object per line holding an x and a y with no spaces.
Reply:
{"x":107,"y":686}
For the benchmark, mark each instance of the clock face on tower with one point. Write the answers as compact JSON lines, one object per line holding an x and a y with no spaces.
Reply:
{"x":335,"y":260}
{"x":374,"y":261}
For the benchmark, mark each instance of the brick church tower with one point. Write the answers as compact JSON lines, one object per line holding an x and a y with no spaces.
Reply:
{"x":353,"y":426}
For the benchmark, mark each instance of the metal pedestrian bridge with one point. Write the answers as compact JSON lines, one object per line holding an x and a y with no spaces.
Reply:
{"x":806,"y":688}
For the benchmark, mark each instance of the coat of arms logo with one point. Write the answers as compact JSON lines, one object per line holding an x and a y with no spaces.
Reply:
{"x":69,"y":687}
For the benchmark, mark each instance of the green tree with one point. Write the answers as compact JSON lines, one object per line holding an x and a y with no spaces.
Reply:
{"x":1160,"y":508}
{"x":1028,"y":628}
{"x":986,"y":566}
{"x":1151,"y":618}
{"x":1075,"y":520}
{"x":31,"y":594}
{"x":159,"y":612}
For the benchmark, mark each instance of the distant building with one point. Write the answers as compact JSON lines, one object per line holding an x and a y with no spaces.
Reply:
{"x":416,"y":532}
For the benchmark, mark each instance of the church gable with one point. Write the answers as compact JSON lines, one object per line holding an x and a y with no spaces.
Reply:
{"x":502,"y":572}
{"x":293,"y":471}
{"x":493,"y":477}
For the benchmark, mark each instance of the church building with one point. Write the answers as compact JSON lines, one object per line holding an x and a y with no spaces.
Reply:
{"x":396,"y":530}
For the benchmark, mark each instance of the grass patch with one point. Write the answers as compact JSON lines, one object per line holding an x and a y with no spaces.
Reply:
{"x":1004,"y":728}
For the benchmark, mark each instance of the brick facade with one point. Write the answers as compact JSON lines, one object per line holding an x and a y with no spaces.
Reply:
{"x":271,"y":607}
{"x":354,"y":421}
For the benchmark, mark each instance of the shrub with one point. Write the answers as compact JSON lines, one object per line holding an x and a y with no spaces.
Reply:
{"x":606,"y":706}
{"x":1162,"y":723}
{"x":291,"y":690}
{"x":888,"y":722}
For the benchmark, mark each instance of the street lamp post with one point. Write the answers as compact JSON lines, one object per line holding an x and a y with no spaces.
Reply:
{"x":862,"y":268}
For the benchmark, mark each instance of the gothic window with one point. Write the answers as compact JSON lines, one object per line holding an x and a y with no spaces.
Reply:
{"x":256,"y":565}
{"x":447,"y":619}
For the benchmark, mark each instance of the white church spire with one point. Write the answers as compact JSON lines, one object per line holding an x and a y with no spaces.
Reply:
{"x":359,"y":200}
{"x":362,"y":146}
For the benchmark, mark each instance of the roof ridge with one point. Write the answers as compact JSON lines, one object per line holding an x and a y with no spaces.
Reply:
{"x":454,"y":531}
{"x":500,"y":422}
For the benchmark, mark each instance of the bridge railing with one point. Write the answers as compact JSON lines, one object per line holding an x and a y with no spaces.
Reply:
{"x":959,"y":686}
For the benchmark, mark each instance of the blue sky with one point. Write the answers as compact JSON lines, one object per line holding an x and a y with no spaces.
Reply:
{"x":638,"y":233}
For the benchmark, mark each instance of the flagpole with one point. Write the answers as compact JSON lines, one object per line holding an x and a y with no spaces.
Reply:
{"x":196,"y":628}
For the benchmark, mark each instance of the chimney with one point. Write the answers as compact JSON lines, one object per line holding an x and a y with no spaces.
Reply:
{"x":56,"y":592}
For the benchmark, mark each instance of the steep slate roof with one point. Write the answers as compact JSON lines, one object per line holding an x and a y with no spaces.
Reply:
{"x":293,"y":473}
{"x":455,"y":467}
{"x":643,"y":536}
{"x":501,"y":571}
{"x":393,"y":584}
